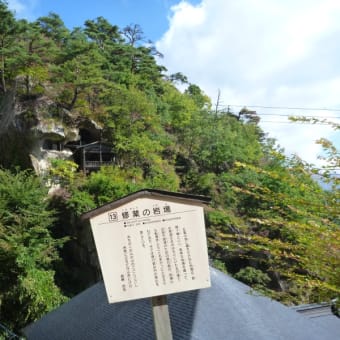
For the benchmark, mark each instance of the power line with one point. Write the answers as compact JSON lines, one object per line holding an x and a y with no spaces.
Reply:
{"x":303,"y":122}
{"x":286,"y":115}
{"x":286,"y":108}
{"x":291,"y":122}
{"x":289,"y":115}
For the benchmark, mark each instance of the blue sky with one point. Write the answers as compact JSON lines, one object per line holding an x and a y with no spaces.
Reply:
{"x":270,"y":53}
{"x":151,"y":15}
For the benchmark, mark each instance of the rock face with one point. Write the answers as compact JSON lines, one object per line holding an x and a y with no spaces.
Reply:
{"x":7,"y":111}
{"x":45,"y":129}
{"x":32,"y":133}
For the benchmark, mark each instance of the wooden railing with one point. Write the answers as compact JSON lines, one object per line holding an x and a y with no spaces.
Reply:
{"x":97,"y":164}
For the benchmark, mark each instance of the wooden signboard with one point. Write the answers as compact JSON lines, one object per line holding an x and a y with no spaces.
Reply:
{"x":151,"y":243}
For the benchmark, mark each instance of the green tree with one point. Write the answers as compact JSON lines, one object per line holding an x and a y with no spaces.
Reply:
{"x":201,"y":99}
{"x":287,"y":227}
{"x":80,"y":74}
{"x":102,"y":33}
{"x":222,"y":141}
{"x":27,"y":250}
{"x":177,"y":110}
{"x":37,"y":53}
{"x":8,"y":32}
{"x":54,"y":28}
{"x":132,"y":125}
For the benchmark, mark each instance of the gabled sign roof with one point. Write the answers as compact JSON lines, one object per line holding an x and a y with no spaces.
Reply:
{"x":148,"y":193}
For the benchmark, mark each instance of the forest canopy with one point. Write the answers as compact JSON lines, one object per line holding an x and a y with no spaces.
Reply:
{"x":270,"y":223}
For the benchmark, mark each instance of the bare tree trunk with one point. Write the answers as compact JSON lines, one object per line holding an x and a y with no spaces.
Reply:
{"x":2,"y":71}
{"x":74,"y":99}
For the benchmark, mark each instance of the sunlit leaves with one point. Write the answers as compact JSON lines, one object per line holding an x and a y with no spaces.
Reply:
{"x":292,"y":229}
{"x":27,"y":250}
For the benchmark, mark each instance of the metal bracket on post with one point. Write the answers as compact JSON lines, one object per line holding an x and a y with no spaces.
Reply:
{"x":161,"y":318}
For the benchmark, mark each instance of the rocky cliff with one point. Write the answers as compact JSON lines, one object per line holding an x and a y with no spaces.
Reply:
{"x":35,"y":130}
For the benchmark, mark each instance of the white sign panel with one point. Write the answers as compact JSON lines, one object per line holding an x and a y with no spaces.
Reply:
{"x":150,"y":247}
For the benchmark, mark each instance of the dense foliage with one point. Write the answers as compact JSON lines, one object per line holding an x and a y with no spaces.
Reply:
{"x":27,"y":250}
{"x":270,"y":223}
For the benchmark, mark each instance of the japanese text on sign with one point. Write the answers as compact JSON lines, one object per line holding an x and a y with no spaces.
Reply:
{"x":150,"y":247}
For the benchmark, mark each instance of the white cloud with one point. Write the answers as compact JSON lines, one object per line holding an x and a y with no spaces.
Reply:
{"x":23,"y":8}
{"x":16,"y":6}
{"x":262,"y":52}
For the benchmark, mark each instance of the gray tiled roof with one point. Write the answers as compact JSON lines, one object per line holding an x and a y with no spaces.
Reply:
{"x":227,"y":310}
{"x":322,"y":314}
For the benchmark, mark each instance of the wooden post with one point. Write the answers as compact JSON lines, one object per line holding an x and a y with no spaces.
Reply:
{"x":83,"y":153}
{"x":100,"y":153}
{"x":161,"y":318}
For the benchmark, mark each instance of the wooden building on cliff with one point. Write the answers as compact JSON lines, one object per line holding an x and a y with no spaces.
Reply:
{"x":92,"y":156}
